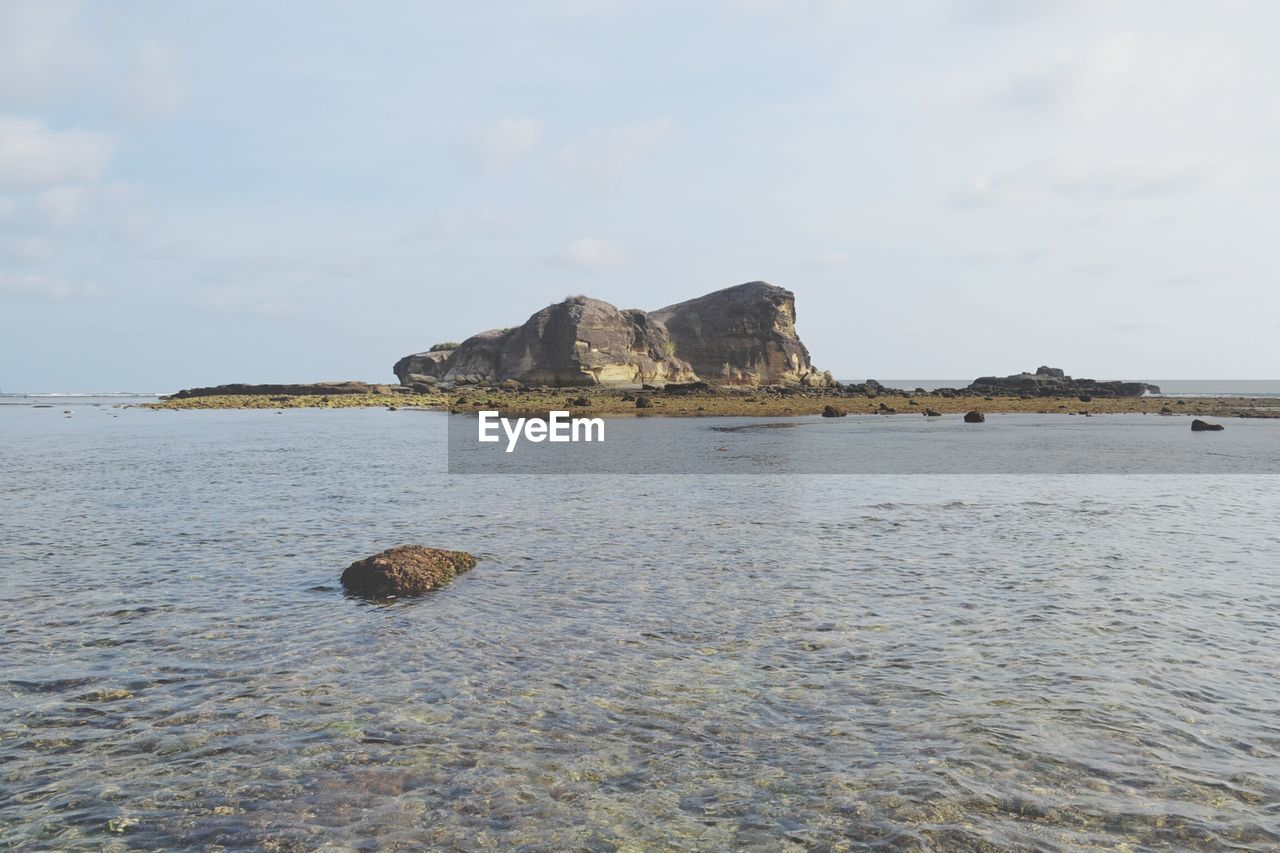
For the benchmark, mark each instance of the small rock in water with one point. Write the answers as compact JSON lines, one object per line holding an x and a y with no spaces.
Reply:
{"x":932,"y":413}
{"x":832,"y":412}
{"x":1203,"y":426}
{"x":975,"y":417}
{"x":121,"y":824}
{"x":406,"y":570}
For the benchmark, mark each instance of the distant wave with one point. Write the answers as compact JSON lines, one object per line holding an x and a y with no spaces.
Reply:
{"x":61,"y":394}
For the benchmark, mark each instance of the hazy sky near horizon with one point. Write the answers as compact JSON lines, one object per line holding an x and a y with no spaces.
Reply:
{"x":196,"y":193}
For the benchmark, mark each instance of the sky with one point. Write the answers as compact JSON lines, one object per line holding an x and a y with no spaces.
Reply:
{"x":206,"y":192}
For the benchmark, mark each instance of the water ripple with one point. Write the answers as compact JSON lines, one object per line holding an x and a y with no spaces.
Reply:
{"x":638,"y":662}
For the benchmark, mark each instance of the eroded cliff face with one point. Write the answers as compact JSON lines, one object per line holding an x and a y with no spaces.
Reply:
{"x":584,"y":341}
{"x":741,"y":335}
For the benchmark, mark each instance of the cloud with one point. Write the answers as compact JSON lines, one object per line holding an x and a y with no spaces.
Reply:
{"x":1000,"y":256}
{"x":277,"y":309}
{"x":234,"y":299}
{"x":824,"y":261}
{"x":1011,"y":187}
{"x":1120,"y":73}
{"x":39,"y":45}
{"x":588,"y":8}
{"x":603,"y":158}
{"x":1008,"y":11}
{"x":496,"y":146}
{"x":1136,"y":181}
{"x":592,"y":254}
{"x":62,"y":206}
{"x":467,"y":222}
{"x":799,"y":9}
{"x":32,"y":155}
{"x":28,"y":287}
{"x":1047,"y":89}
{"x":1134,"y":327}
{"x":1097,"y":268}
{"x":111,"y":210}
{"x":151,"y":88}
{"x":1042,"y":180}
{"x":27,"y":249}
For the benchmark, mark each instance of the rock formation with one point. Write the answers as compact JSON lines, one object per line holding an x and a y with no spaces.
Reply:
{"x":314,"y":388}
{"x":1198,"y":425}
{"x":1053,"y":382}
{"x":743,"y":335}
{"x":406,"y":570}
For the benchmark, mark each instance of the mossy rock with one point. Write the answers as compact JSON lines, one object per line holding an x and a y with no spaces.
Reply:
{"x":406,"y":570}
{"x":1204,"y":426}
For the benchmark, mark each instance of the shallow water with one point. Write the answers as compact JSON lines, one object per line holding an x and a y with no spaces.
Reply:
{"x":637,"y":662}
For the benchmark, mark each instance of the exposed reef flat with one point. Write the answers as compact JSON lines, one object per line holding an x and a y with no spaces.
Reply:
{"x":754,"y":402}
{"x":299,"y":401}
{"x":294,"y":390}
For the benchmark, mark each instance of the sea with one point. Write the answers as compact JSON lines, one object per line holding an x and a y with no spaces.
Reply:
{"x":757,"y":660}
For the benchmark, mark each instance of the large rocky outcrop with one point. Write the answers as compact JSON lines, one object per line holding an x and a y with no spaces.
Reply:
{"x":742,"y":335}
{"x":1054,"y":382}
{"x":579,"y":341}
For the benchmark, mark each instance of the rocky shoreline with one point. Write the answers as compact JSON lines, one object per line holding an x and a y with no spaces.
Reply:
{"x":768,"y":401}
